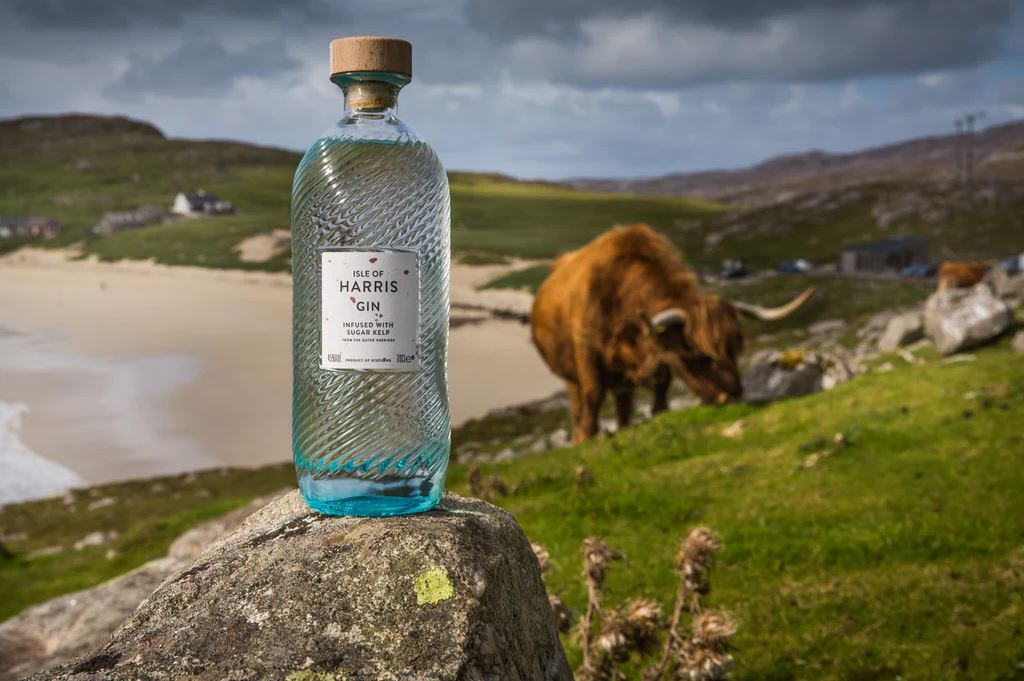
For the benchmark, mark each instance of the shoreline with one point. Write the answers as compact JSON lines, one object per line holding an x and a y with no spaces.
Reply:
{"x":198,"y":362}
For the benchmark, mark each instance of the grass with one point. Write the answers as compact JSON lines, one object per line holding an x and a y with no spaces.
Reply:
{"x":898,"y":556}
{"x":527,"y":278}
{"x":541,"y":221}
{"x":147,"y":516}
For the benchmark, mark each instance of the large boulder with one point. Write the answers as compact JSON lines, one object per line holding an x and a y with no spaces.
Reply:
{"x":454,"y":593}
{"x":65,"y":627}
{"x":960,"y":319}
{"x":903,"y":329}
{"x":790,"y":373}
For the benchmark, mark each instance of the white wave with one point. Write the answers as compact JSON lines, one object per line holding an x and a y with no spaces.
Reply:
{"x":24,"y":474}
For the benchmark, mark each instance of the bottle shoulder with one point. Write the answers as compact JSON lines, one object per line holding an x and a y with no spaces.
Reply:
{"x":371,"y":137}
{"x":383,"y":127}
{"x":346,"y":165}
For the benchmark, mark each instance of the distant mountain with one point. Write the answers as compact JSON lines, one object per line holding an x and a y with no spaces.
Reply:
{"x":999,"y":152}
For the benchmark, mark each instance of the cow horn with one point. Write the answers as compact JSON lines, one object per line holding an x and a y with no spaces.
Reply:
{"x":672,"y":315}
{"x":772,"y":314}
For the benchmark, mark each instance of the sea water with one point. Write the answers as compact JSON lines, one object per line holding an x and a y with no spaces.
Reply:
{"x":25,"y":475}
{"x":371,"y":269}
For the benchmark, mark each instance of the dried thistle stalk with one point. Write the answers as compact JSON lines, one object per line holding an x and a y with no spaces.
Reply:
{"x":596,"y":555}
{"x":543,"y":558}
{"x":693,"y":561}
{"x":707,"y":655}
{"x":560,"y":611}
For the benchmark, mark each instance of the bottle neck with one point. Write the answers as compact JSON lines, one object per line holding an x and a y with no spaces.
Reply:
{"x":370,"y":96}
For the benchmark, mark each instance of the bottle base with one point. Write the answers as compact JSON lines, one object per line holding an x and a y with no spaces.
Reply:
{"x":370,"y":498}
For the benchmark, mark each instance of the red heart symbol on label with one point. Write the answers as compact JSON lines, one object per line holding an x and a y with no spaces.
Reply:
{"x":373,"y":259}
{"x":352,"y":298}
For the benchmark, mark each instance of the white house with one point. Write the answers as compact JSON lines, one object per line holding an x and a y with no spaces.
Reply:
{"x":199,"y":202}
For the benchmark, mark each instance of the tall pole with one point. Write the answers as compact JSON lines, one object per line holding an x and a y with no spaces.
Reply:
{"x":969,"y":152}
{"x":958,"y":150}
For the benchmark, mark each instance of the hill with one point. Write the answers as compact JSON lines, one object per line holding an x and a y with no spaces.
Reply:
{"x":897,"y":555}
{"x":75,"y":168}
{"x":999,"y":151}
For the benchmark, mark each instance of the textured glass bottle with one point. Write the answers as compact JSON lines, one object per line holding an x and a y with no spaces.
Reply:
{"x":371,"y":264}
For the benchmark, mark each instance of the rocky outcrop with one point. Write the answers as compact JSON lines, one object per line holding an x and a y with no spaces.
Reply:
{"x":1003,"y":284}
{"x":454,"y":593}
{"x":53,"y":632}
{"x":793,"y":373}
{"x":903,"y":329}
{"x":961,"y":319}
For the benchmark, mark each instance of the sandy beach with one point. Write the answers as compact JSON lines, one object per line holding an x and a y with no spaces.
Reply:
{"x":131,"y":369}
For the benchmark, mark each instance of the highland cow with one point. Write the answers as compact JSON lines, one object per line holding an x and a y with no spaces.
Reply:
{"x":625,"y":311}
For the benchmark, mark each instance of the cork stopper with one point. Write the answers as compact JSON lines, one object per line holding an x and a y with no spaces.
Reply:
{"x":371,"y":53}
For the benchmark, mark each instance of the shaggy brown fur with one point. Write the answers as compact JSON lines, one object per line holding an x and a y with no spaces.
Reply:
{"x":591,"y":322}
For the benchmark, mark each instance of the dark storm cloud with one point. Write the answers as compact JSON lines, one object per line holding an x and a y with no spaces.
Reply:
{"x":515,"y":18}
{"x":662,"y":43}
{"x":201,"y":67}
{"x":109,"y":14}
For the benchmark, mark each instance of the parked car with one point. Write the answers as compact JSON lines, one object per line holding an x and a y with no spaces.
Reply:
{"x":1014,"y":264}
{"x":798,"y":266}
{"x":733,"y":269}
{"x":920,"y":270}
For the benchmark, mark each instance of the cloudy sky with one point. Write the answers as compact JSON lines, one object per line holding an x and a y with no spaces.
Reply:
{"x":535,"y":88}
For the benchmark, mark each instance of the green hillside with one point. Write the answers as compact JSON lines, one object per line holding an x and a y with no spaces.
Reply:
{"x":897,"y":556}
{"x":75,"y":173}
{"x":76,"y":168}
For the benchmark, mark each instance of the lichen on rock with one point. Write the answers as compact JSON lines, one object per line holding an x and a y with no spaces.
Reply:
{"x":433,"y":586}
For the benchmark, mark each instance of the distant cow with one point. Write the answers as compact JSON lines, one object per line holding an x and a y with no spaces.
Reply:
{"x":962,"y":274}
{"x":625,"y":311}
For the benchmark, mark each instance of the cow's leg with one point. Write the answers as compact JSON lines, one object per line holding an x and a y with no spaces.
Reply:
{"x":660,"y":385}
{"x":591,"y":395}
{"x":624,"y":406}
{"x":575,"y":410}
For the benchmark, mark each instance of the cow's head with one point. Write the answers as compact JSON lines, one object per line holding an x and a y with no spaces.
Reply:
{"x":702,"y":342}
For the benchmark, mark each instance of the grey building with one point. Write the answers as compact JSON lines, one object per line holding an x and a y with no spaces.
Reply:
{"x":891,"y":255}
{"x":19,"y":228}
{"x":118,"y":221}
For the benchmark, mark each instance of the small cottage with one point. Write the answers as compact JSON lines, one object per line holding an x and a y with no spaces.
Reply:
{"x":890,"y":255}
{"x":199,"y":202}
{"x":118,"y":221}
{"x":21,"y":228}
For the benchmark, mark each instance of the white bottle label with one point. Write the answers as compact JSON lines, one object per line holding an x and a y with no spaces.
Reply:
{"x":369,"y":307}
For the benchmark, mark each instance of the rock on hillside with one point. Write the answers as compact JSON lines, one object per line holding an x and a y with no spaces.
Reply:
{"x":51,"y":633}
{"x":454,"y":593}
{"x":33,"y":130}
{"x":961,"y":319}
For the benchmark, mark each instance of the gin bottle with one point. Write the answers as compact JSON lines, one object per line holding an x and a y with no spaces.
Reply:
{"x":371,"y":262}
